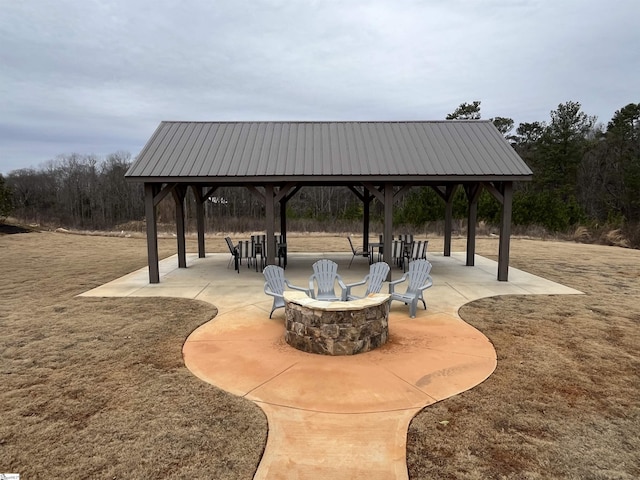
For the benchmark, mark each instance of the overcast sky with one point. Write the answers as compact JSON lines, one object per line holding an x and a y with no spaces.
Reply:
{"x":97,"y":76}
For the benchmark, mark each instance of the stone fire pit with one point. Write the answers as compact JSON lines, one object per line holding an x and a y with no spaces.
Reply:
{"x":336,"y":328}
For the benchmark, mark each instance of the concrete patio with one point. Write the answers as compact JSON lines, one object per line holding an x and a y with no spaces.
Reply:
{"x":334,"y":417}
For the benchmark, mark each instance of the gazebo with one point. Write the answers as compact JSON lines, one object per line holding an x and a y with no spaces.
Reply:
{"x":380,"y":160}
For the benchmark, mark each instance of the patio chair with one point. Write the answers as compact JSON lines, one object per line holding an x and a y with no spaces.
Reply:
{"x":406,"y":238}
{"x":377,"y":274}
{"x":281,"y":250}
{"x":419,"y":250}
{"x":357,"y":252}
{"x":413,"y":251}
{"x":419,"y":279}
{"x":259,"y":248}
{"x":275,"y":284}
{"x":245,"y":252}
{"x":235,"y":255}
{"x":397,"y":252}
{"x":325,"y":276}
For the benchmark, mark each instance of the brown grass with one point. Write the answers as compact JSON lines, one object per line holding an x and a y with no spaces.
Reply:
{"x":96,"y":388}
{"x":564,"y":400}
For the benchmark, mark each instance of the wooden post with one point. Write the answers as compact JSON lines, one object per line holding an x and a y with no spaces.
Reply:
{"x":179,"y":193}
{"x":197,"y":193}
{"x":388,"y":225}
{"x":152,"y":232}
{"x":270,"y":224}
{"x":473,"y":192}
{"x":283,"y":218}
{"x":450,"y":190}
{"x":505,"y":232}
{"x":365,"y":217}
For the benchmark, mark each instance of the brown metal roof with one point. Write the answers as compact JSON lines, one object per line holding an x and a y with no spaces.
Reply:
{"x":327,"y":151}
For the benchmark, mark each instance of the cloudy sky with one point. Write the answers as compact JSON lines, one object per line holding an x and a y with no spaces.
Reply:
{"x":97,"y":76}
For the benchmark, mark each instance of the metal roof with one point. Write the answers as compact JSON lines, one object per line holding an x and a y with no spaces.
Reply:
{"x":216,"y":152}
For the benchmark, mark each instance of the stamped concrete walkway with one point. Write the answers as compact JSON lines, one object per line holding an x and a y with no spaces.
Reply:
{"x":334,"y":417}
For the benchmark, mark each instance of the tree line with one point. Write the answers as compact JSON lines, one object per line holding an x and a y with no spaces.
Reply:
{"x":77,"y":191}
{"x":584,"y":173}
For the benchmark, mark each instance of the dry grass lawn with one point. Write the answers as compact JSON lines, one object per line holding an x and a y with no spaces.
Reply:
{"x":96,"y":388}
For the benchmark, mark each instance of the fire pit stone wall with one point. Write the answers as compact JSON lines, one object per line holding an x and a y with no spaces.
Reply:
{"x":336,"y":328}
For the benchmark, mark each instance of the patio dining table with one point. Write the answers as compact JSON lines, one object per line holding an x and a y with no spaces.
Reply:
{"x":259,"y":248}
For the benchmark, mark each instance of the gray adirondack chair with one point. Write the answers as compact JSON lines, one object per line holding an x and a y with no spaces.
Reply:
{"x":324,"y":277}
{"x":275,"y":285}
{"x":377,"y":274}
{"x":418,"y":279}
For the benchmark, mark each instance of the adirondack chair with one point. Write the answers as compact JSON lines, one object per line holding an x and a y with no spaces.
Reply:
{"x":377,"y":274}
{"x":325,"y":275}
{"x":235,"y":255}
{"x":418,"y":281}
{"x":357,"y":252}
{"x":275,"y":284}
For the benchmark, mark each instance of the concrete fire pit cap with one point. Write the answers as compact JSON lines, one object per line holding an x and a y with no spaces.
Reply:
{"x":302,"y":299}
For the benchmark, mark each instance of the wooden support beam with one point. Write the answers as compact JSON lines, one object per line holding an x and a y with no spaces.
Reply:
{"x":505,"y":232}
{"x":449,"y":193}
{"x":283,"y":211}
{"x":209,"y":193}
{"x":495,"y":191}
{"x":150,"y":191}
{"x":257,"y":193}
{"x":200,"y":199}
{"x":366,"y":198}
{"x":402,"y":192}
{"x":179,"y":193}
{"x":442,"y":192}
{"x":388,"y":225}
{"x":284,"y":190}
{"x":366,"y":203}
{"x":270,"y":222}
{"x":163,"y":192}
{"x":295,"y":190}
{"x":473,"y":193}
{"x":357,"y":192}
{"x":283,"y":219}
{"x":379,"y":194}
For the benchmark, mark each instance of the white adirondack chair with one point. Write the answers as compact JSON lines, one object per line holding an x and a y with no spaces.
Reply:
{"x":377,"y":274}
{"x":419,"y":279}
{"x":323,"y":280}
{"x":275,"y":285}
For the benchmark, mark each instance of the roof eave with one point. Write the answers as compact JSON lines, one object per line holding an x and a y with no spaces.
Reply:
{"x":326,"y":179}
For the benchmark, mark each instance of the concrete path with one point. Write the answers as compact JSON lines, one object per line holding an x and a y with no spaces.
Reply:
{"x":334,"y":417}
